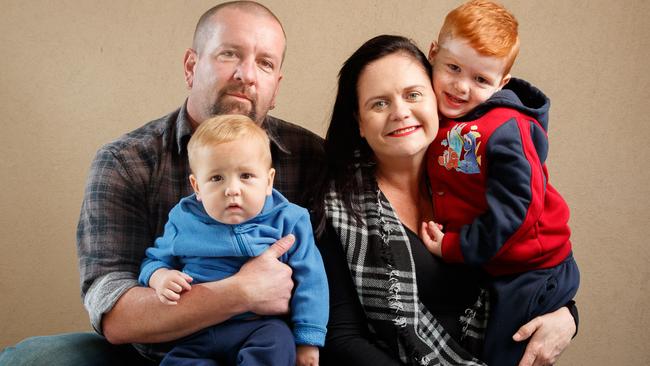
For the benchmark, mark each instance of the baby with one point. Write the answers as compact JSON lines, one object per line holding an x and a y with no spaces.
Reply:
{"x":233,"y":215}
{"x":490,"y":186}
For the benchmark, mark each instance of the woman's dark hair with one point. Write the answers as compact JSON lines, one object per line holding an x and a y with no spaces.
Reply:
{"x":344,"y":146}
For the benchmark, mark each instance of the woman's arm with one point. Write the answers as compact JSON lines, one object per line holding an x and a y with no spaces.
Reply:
{"x":348,"y":340}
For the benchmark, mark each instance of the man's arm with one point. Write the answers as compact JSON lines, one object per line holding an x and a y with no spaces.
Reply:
{"x":263,"y":286}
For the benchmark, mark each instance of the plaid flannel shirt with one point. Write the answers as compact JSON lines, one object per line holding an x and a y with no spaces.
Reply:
{"x":135,"y":181}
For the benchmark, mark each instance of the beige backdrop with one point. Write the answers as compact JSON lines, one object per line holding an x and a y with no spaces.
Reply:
{"x":76,"y":74}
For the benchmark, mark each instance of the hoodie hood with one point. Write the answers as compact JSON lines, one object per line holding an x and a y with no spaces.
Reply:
{"x":517,"y":94}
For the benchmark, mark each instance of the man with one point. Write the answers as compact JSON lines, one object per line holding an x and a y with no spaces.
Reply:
{"x":232,"y":67}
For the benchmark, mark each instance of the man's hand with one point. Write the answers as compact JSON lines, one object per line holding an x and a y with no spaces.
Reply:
{"x":551,"y":334}
{"x":431,"y":235}
{"x":266,"y":282}
{"x":169,"y":283}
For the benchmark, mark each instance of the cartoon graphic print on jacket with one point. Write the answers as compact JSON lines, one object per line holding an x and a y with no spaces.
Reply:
{"x":490,"y":185}
{"x":461,"y":150}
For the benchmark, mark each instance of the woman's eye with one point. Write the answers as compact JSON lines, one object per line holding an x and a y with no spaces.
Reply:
{"x":414,"y":96}
{"x":380,"y":104}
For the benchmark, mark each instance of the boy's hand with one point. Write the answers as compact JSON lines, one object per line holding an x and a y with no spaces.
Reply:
{"x":431,"y":235}
{"x":306,"y":355}
{"x":169,"y":283}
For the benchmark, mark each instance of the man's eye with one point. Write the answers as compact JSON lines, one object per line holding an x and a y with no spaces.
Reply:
{"x":216,"y":178}
{"x":267,"y":65}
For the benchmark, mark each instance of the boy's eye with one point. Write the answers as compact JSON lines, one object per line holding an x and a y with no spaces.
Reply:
{"x":246,"y":176}
{"x":481,"y":80}
{"x":216,"y":178}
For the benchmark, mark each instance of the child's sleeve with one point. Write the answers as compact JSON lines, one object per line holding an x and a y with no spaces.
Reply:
{"x":160,"y":255}
{"x":310,"y":301}
{"x":514,"y":193}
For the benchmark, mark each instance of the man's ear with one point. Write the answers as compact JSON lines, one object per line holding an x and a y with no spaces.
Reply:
{"x":275,"y":93}
{"x":195,"y":186}
{"x":189,"y":62}
{"x":433,"y":51}
{"x":504,"y":81}
{"x":269,"y":187}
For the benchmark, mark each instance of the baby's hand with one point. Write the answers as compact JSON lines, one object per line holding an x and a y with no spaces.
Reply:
{"x":169,"y":283}
{"x":431,"y":235}
{"x":306,"y":355}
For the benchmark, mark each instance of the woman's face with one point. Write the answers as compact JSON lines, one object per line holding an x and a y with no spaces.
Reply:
{"x":397,"y":107}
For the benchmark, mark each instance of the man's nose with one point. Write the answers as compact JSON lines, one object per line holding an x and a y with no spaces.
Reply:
{"x":246,"y":72}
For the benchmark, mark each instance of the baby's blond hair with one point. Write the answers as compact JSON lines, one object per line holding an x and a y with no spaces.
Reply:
{"x":226,"y":128}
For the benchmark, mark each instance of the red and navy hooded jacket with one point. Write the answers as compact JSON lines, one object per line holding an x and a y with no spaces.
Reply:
{"x":490,"y":185}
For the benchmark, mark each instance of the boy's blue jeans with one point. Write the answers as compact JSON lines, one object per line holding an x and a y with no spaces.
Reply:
{"x":70,"y":349}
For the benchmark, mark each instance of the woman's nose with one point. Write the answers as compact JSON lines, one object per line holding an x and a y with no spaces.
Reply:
{"x":400,"y":111}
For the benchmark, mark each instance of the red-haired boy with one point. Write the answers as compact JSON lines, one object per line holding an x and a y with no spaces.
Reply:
{"x":489,"y":180}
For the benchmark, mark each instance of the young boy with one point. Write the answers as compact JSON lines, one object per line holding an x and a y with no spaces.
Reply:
{"x":233,"y":215}
{"x":489,"y":179}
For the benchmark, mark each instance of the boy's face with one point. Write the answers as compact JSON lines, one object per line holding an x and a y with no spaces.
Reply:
{"x":462,"y":78}
{"x":232,"y":179}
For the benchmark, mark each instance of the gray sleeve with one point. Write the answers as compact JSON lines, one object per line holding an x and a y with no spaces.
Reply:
{"x":104,"y":293}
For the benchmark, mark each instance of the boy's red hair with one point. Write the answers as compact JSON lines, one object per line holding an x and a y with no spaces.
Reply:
{"x":488,"y":27}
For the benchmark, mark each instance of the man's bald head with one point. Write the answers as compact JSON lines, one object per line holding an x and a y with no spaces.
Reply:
{"x":204,"y":26}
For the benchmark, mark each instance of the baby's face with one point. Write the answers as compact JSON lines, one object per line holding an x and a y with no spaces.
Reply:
{"x":463,"y":78}
{"x":232,"y":180}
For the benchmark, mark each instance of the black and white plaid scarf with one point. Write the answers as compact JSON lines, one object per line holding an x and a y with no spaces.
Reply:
{"x":381,"y":264}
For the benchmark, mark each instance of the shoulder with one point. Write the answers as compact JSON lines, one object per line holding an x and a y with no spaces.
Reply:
{"x":293,"y":136}
{"x":143,"y":143}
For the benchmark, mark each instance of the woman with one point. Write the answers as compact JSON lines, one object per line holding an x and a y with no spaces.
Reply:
{"x":392,"y":302}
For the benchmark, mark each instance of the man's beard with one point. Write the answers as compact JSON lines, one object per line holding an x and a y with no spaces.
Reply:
{"x":223,"y":107}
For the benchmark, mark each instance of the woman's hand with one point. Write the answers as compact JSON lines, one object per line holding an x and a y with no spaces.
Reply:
{"x":551,"y":334}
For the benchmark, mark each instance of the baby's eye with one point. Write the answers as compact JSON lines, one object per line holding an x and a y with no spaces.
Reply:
{"x":246,"y":176}
{"x":453,"y":67}
{"x":216,"y":178}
